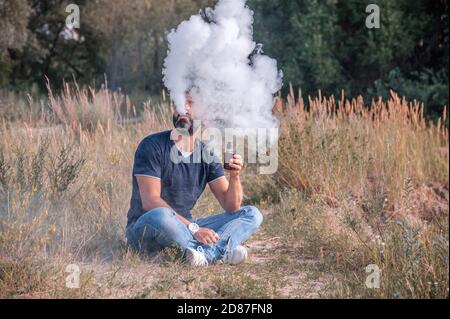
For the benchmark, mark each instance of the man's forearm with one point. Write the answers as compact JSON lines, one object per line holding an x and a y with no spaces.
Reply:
{"x":233,"y":197}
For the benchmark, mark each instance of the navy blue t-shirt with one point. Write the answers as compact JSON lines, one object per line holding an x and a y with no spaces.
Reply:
{"x":182,"y":179}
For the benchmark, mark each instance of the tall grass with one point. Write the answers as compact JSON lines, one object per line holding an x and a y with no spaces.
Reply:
{"x":336,"y":145}
{"x":357,"y":184}
{"x":366,"y":185}
{"x":65,"y":178}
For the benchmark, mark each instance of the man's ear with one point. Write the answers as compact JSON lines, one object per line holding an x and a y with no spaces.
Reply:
{"x":174,"y":118}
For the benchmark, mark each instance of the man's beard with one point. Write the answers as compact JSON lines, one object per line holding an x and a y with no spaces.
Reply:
{"x":183,"y":124}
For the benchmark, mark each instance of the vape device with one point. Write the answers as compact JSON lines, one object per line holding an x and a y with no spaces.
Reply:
{"x":228,"y":156}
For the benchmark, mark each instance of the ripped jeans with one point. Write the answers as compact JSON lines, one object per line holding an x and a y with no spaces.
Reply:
{"x":160,"y":228}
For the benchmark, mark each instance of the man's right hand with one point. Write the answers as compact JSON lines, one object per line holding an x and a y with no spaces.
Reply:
{"x":206,"y":236}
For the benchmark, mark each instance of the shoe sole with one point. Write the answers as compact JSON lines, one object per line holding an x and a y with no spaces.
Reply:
{"x":242,"y":261}
{"x":190,"y":258}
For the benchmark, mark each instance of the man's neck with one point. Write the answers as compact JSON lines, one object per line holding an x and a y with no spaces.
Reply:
{"x":186,"y":143}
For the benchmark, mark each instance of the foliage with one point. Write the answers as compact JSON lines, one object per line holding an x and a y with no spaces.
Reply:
{"x":319,"y":45}
{"x":325,"y":45}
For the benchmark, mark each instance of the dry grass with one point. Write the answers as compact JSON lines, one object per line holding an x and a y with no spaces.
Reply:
{"x":367,"y":185}
{"x":356,"y":185}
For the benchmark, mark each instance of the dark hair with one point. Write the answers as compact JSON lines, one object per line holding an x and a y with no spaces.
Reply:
{"x":189,"y":90}
{"x":207,"y":15}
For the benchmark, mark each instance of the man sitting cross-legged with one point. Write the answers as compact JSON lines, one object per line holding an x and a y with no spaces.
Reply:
{"x":165,"y":191}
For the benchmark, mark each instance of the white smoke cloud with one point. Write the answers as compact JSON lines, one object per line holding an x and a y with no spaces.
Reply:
{"x":213,"y":56}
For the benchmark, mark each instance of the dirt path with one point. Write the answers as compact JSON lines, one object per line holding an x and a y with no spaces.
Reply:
{"x":300,"y":276}
{"x":274,"y":270}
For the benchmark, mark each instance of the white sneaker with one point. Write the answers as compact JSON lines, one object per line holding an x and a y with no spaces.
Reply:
{"x":237,"y":256}
{"x":195,"y":258}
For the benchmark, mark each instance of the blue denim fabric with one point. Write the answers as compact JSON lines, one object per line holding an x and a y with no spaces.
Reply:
{"x":160,"y":228}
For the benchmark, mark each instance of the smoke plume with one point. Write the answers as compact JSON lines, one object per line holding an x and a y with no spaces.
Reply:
{"x":214,"y":58}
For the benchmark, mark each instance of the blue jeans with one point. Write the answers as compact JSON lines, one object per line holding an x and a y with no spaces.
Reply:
{"x":160,"y":228}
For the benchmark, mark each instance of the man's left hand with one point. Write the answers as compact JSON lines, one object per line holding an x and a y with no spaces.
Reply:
{"x":237,"y":164}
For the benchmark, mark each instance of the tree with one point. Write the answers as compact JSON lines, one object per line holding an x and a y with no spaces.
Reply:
{"x":52,"y":53}
{"x":316,"y":37}
{"x":14,"y":16}
{"x":326,"y":45}
{"x":133,"y":37}
{"x":319,"y":44}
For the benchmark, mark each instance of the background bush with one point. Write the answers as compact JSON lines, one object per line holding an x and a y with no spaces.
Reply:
{"x":319,"y":45}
